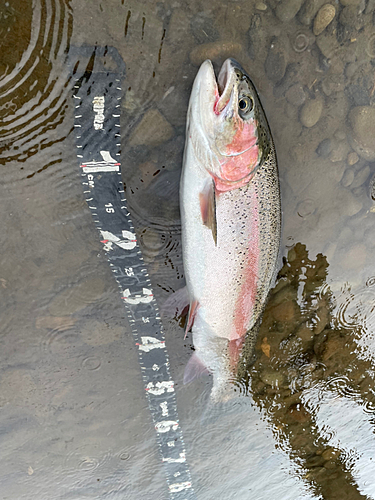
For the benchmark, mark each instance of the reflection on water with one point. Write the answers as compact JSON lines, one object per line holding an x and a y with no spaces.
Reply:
{"x":73,"y":419}
{"x":308,"y":375}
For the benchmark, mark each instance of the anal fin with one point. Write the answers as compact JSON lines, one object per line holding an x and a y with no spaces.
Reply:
{"x":208,"y":208}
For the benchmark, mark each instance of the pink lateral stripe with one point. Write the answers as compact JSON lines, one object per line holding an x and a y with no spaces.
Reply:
{"x":248,"y":292}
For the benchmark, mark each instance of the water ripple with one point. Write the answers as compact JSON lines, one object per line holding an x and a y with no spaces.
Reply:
{"x":33,"y":84}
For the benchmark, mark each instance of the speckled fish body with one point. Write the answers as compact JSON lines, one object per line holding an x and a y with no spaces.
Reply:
{"x":230,"y":213}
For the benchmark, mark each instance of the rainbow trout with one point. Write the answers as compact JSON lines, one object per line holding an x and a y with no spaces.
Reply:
{"x":230,"y":216}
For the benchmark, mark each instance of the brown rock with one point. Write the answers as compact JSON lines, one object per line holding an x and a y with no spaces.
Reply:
{"x":323,"y":18}
{"x":362,"y":121}
{"x":352,"y":158}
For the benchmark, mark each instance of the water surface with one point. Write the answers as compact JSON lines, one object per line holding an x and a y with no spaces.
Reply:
{"x":74,"y":420}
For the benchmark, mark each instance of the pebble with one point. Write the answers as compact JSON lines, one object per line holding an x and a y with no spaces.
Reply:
{"x":323,"y":18}
{"x":348,"y":177}
{"x":295,"y":95}
{"x":287,"y":9}
{"x":333,"y":83}
{"x":362,"y":121}
{"x":324,"y":148}
{"x":311,"y":112}
{"x":352,"y":158}
{"x":327,"y":43}
{"x":261,"y":6}
{"x":339,"y":152}
{"x":351,"y":19}
{"x":352,"y":206}
{"x":340,"y":134}
{"x":275,"y":63}
{"x":152,"y":130}
{"x":214,"y":50}
{"x":309,"y":10}
{"x":361,"y":177}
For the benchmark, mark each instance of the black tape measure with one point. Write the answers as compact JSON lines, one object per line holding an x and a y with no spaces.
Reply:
{"x":97,"y":99}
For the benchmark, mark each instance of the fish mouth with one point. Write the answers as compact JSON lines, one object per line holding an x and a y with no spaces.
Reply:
{"x":228,"y":74}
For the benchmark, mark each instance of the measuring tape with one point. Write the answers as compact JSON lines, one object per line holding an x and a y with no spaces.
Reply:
{"x":97,"y":98}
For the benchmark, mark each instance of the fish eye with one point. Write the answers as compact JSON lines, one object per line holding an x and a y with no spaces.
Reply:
{"x":245,"y":105}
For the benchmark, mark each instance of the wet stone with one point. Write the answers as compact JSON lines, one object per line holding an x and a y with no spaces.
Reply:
{"x":361,"y":177}
{"x":152,"y":130}
{"x":323,"y":18}
{"x":340,"y":135}
{"x":357,"y":94}
{"x":295,"y":95}
{"x":352,"y":158}
{"x":203,"y":29}
{"x":327,"y":43}
{"x":309,"y":10}
{"x":261,"y":6}
{"x":348,"y":177}
{"x":351,"y":19}
{"x":339,"y":152}
{"x":287,"y":9}
{"x":311,"y":112}
{"x":362,"y":121}
{"x":333,"y":83}
{"x":275,"y":63}
{"x":324,"y":148}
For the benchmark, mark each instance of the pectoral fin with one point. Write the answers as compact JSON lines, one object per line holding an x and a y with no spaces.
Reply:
{"x":208,"y":208}
{"x":192,"y":312}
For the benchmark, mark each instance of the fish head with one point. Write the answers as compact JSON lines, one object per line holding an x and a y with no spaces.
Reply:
{"x":227,"y":119}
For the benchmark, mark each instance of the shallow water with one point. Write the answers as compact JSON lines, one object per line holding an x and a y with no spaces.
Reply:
{"x":74,"y":420}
